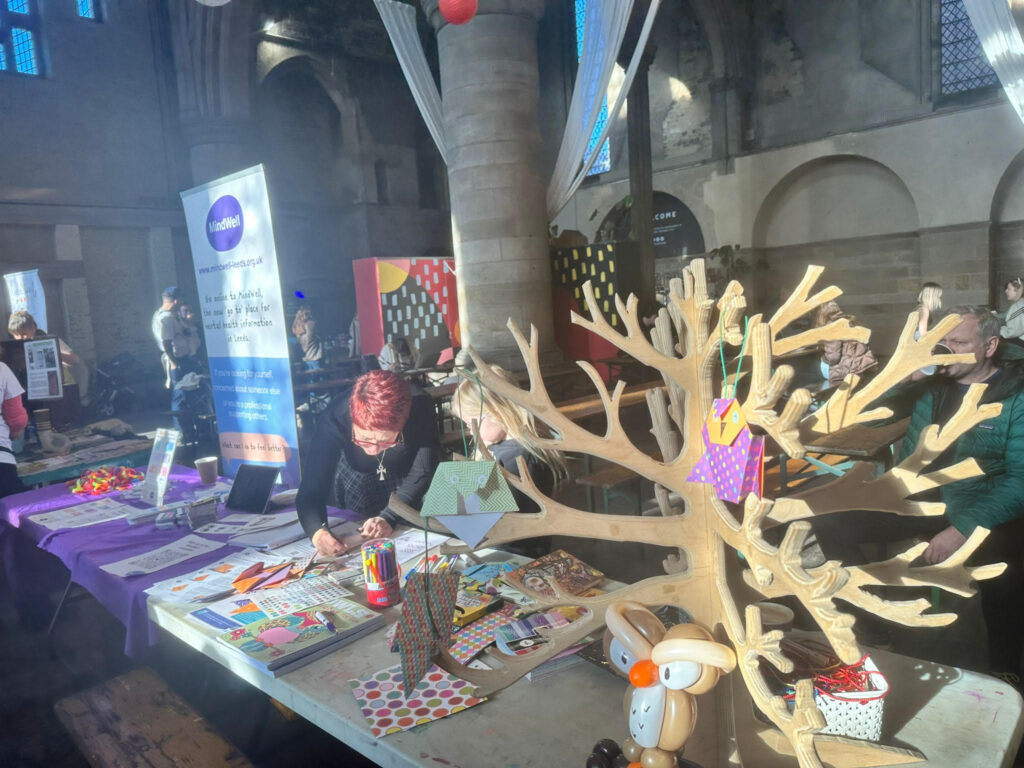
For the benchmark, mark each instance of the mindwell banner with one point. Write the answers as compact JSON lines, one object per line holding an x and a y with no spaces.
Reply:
{"x":235,"y":260}
{"x":25,"y":292}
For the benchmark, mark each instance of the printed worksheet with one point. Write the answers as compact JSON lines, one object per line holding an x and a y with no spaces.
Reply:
{"x":410,"y":544}
{"x":210,"y":580}
{"x":176,"y":552}
{"x":89,"y":513}
{"x":296,"y":595}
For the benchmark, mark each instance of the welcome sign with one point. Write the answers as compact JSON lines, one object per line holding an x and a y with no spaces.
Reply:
{"x":235,"y":260}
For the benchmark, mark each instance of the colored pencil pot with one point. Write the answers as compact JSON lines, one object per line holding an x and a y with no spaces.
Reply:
{"x":380,"y":570}
{"x":383,"y":595}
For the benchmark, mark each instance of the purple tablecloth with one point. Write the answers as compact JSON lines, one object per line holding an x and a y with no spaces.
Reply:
{"x":83,"y":550}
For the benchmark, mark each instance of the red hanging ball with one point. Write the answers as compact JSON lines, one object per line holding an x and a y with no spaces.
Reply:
{"x":458,"y":11}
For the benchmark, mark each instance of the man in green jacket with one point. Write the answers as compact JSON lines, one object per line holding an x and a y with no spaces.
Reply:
{"x":994,"y":500}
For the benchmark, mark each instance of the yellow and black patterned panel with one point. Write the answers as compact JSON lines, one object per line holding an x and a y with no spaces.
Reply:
{"x":572,"y":267}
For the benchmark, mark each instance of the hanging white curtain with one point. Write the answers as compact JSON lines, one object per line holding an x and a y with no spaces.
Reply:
{"x":603,"y":30}
{"x":400,"y":21}
{"x":1001,"y":40}
{"x":627,"y":82}
{"x":568,"y":173}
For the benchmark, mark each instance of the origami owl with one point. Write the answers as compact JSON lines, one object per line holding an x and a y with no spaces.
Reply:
{"x":733,"y":460}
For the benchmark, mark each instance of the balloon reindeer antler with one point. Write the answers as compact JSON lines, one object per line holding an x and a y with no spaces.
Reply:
{"x":667,"y":669}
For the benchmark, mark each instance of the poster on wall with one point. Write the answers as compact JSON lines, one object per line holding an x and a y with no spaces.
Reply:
{"x":25,"y":292}
{"x":232,"y":239}
{"x":43,"y":379}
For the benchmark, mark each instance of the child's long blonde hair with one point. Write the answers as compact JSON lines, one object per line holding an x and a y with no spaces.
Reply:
{"x":518,"y":423}
{"x":930,"y":297}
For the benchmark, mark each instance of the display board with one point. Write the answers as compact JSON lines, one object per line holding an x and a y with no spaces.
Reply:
{"x":233,"y":252}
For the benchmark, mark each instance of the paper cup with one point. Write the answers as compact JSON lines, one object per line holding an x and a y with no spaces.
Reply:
{"x":207,"y":469}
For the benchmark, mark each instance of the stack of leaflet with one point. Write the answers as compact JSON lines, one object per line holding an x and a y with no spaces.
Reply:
{"x":277,"y":646}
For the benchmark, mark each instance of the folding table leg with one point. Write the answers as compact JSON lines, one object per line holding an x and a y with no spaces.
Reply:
{"x":56,"y":613}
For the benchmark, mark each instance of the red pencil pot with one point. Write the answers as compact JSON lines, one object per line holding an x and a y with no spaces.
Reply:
{"x":383,"y":595}
{"x":380,"y":570}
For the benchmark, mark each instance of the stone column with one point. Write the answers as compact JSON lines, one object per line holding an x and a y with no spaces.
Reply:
{"x":214,"y":55}
{"x":489,"y":84}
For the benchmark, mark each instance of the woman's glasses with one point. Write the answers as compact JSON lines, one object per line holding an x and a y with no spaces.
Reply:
{"x":380,"y":445}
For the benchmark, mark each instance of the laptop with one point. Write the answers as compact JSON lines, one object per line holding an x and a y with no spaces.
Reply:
{"x":252,"y":488}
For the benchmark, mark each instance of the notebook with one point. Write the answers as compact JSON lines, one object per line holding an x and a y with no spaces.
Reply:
{"x":276,"y":646}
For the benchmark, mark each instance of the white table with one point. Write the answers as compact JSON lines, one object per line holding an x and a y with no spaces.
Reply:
{"x":955,"y":717}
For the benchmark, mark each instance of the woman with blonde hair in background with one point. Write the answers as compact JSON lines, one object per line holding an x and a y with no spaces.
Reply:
{"x":929,"y":304}
{"x":509,"y":431}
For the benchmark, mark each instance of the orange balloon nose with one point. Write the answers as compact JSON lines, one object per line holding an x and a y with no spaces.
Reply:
{"x":644,"y":673}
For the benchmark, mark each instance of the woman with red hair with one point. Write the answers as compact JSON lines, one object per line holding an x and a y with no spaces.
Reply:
{"x":379,"y":439}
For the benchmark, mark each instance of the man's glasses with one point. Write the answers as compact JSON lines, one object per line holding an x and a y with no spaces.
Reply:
{"x":384,"y":445}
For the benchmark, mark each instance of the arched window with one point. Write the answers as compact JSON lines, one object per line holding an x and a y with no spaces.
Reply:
{"x":604,"y":157}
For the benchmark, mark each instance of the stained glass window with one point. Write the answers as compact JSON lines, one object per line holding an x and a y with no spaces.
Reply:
{"x":603,"y":162}
{"x":19,"y":44}
{"x":964,"y":65}
{"x":86,"y":9}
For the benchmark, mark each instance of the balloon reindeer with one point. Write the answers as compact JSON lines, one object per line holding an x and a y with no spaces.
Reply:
{"x":667,"y":669}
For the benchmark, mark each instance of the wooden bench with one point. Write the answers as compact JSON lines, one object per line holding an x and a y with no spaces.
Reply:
{"x":609,"y":479}
{"x":136,"y":720}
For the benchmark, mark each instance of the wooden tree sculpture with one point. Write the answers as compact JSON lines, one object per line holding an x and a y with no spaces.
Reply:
{"x":707,"y":529}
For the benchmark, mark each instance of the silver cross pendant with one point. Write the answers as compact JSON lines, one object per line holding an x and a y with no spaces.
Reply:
{"x":381,"y":472}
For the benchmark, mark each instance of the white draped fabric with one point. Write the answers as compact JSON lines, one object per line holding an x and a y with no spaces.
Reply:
{"x":1001,"y":40}
{"x":400,"y":21}
{"x":604,"y":22}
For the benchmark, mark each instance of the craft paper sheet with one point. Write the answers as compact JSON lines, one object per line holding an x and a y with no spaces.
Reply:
{"x":388,"y":711}
{"x":298,"y":595}
{"x":426,"y":624}
{"x":471,"y":639}
{"x":234,"y":611}
{"x":164,"y":557}
{"x":80,"y":515}
{"x":209,"y":580}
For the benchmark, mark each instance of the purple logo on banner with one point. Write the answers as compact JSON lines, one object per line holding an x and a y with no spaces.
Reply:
{"x":224,"y":223}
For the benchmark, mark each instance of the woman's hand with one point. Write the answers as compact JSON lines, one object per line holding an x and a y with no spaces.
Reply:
{"x":376,"y":528}
{"x":326,"y":543}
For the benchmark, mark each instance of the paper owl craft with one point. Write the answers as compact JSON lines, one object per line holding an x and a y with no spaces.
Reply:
{"x":733,"y":460}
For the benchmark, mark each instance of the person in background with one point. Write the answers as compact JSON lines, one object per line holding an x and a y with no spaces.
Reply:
{"x":1013,"y":323}
{"x":508,"y":431}
{"x":378,"y":439}
{"x":190,"y":326}
{"x":23,"y":326}
{"x":13,"y":420}
{"x":842,"y":357}
{"x":304,"y":329}
{"x":172,"y":341}
{"x":396,"y":356}
{"x":929,"y":304}
{"x":994,"y":499}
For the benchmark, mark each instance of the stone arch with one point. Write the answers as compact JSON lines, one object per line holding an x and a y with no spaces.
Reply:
{"x":836,"y":197}
{"x":1006,"y":246}
{"x":837,"y":211}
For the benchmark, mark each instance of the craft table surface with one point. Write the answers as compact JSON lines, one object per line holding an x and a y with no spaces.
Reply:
{"x":858,"y":440}
{"x":84,"y":550}
{"x":38,"y":469}
{"x":956,"y":717}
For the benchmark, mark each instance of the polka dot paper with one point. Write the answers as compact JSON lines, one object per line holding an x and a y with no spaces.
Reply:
{"x":387,"y":711}
{"x":473,"y":638}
